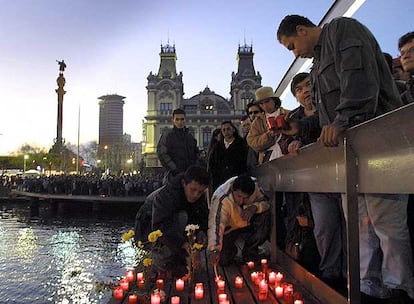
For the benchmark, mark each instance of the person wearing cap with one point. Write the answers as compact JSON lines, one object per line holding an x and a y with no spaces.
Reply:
{"x":269,"y":142}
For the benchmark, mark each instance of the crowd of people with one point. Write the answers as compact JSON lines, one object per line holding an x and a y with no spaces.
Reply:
{"x":126,"y":185}
{"x":350,"y":82}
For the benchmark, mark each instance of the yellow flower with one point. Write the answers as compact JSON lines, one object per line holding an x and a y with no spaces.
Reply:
{"x":147,"y":262}
{"x":153,"y":236}
{"x":197,"y":246}
{"x":140,"y":245}
{"x":128,"y":235}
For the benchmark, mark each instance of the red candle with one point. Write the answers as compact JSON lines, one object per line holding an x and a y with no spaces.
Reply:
{"x":155,"y":298}
{"x":199,"y":291}
{"x":140,"y":276}
{"x":279,"y":277}
{"x":238,"y":282}
{"x":133,"y":299}
{"x":263,"y":262}
{"x":279,"y":292}
{"x":288,"y":293}
{"x":298,"y":302}
{"x":160,"y":284}
{"x":221,"y":284}
{"x":118,"y":293}
{"x":222,"y":297}
{"x":253,"y":276}
{"x":130,"y":275}
{"x":141,"y":283}
{"x":175,"y":300}
{"x":263,"y":289}
{"x":272,"y":277}
{"x":250,"y":264}
{"x":179,"y":285}
{"x":124,"y":284}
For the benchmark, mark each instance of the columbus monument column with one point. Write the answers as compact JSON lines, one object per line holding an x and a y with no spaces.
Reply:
{"x":60,"y":92}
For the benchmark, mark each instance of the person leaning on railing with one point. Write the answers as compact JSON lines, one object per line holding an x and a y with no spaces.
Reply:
{"x":351,"y":83}
{"x":329,"y":222}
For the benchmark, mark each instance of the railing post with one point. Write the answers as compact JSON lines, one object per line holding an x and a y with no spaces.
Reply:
{"x":350,"y":204}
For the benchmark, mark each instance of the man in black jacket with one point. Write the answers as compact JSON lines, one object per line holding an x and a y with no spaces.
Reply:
{"x":351,"y":83}
{"x":170,"y":209}
{"x":177,"y":148}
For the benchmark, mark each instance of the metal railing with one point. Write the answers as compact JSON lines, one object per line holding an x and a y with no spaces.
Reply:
{"x":375,"y":157}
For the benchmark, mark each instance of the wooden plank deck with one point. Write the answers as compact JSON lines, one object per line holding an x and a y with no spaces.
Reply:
{"x":248,"y":294}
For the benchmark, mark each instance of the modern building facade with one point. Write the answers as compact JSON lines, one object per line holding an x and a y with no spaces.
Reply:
{"x":116,"y":153}
{"x":205,"y":111}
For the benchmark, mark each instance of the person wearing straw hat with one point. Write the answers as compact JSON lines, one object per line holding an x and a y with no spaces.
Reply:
{"x":264,"y":136}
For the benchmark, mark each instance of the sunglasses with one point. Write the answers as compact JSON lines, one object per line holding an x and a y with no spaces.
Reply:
{"x":253,"y":112}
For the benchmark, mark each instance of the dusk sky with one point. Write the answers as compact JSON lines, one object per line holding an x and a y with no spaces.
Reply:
{"x":111,"y":47}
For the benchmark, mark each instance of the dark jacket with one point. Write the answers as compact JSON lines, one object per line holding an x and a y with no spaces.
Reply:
{"x":351,"y":79}
{"x":225,"y":163}
{"x":408,"y":95}
{"x":308,"y":126}
{"x":177,"y":150}
{"x":158,"y":210}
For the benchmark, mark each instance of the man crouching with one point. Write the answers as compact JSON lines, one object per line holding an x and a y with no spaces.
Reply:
{"x":170,"y":209}
{"x":238,"y":207}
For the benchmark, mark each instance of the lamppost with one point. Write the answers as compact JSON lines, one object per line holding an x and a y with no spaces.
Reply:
{"x":129,"y":162}
{"x":106,"y":157}
{"x":25,"y":158}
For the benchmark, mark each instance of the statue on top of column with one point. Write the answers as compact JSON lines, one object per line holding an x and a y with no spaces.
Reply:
{"x":62,"y":65}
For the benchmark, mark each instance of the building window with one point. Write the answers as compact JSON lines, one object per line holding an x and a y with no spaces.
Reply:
{"x":164,"y":106}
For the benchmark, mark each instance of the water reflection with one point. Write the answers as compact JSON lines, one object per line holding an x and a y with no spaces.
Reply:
{"x":48,"y":258}
{"x":26,"y":244}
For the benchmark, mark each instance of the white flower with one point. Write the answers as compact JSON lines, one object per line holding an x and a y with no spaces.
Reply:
{"x":191,"y":228}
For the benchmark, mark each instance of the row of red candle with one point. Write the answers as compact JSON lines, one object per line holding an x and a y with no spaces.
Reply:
{"x":284,"y":290}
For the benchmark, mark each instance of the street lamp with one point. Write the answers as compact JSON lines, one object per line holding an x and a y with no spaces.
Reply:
{"x":106,"y":157}
{"x":25,"y":158}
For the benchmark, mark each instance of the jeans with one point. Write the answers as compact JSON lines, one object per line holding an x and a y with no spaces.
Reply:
{"x":385,"y":250}
{"x":330,"y":233}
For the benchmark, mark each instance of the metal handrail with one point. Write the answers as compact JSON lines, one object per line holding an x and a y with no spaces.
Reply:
{"x":376,"y":157}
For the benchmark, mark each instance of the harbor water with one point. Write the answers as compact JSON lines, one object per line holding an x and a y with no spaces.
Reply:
{"x":65,"y":254}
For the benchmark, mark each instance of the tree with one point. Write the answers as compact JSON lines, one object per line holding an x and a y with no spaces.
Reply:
{"x":29,"y":149}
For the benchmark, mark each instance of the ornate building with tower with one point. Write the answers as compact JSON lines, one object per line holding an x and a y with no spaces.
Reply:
{"x":205,"y":111}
